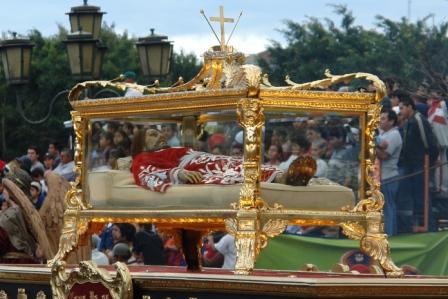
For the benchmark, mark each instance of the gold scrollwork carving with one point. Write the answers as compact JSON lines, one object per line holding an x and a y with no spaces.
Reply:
{"x":41,"y":295}
{"x":335,"y":79}
{"x":353,"y":230}
{"x":375,"y":199}
{"x":231,"y":225}
{"x":75,"y":196}
{"x":377,"y":246}
{"x":69,"y":236}
{"x":119,"y":287}
{"x":272,"y":228}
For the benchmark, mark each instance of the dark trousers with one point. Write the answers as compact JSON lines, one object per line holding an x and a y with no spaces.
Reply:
{"x":410,"y":201}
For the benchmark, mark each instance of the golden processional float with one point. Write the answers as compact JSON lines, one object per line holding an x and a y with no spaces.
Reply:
{"x":232,"y":94}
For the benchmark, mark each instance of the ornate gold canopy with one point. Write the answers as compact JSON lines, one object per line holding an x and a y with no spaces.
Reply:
{"x":224,"y":83}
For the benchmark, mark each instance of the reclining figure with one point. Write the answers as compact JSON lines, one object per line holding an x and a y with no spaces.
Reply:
{"x":161,"y":167}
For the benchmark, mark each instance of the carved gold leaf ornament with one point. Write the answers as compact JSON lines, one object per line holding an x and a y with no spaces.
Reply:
{"x":120,"y":286}
{"x":69,"y":236}
{"x":335,"y":79}
{"x":272,"y":228}
{"x":377,"y":246}
{"x":231,"y":225}
{"x":353,"y":230}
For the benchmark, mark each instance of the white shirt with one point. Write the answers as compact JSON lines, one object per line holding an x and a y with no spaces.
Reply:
{"x":131,"y":92}
{"x":226,"y":246}
{"x":99,"y":257}
{"x":66,"y":170}
{"x":389,"y":166}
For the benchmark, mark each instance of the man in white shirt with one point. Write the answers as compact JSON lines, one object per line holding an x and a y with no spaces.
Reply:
{"x":388,"y":148}
{"x":130,"y":77}
{"x":67,"y":166}
{"x":225,"y":246}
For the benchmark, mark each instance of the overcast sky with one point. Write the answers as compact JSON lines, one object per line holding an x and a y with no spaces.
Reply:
{"x":182,"y":22}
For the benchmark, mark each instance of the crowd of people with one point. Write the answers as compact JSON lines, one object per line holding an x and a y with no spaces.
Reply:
{"x":22,"y":200}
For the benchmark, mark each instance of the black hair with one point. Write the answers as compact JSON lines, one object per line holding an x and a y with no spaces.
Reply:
{"x":391,"y":115}
{"x":400,"y":94}
{"x":127,"y":231}
{"x":337,"y":132}
{"x":302,"y":142}
{"x":108,"y":136}
{"x":407,"y":101}
{"x":36,"y":172}
{"x":34,"y":148}
{"x":55,"y":144}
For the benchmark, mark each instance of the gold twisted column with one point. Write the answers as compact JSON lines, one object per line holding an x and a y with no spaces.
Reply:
{"x":245,"y":228}
{"x":251,"y":118}
{"x":74,"y":226}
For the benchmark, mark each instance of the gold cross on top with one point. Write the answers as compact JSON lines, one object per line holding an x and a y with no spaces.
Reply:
{"x":222,"y":20}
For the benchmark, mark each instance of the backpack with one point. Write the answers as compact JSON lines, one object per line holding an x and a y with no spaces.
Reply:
{"x":429,"y":140}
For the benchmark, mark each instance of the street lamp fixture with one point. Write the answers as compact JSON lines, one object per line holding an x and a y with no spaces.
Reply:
{"x":16,"y":59}
{"x":87,"y":17}
{"x":82,"y":51}
{"x":155,"y":53}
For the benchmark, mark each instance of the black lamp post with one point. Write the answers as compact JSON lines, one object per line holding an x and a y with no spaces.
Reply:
{"x":155,"y":53}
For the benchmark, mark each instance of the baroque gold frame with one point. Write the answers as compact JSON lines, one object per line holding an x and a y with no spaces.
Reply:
{"x":226,"y":83}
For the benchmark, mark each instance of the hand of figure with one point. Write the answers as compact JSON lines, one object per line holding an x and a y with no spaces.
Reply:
{"x":192,"y":177}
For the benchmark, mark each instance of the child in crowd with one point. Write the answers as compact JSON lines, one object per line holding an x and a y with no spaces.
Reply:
{"x":37,"y":197}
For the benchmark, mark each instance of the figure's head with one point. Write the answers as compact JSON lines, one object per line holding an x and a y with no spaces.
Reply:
{"x":130,"y":77}
{"x":318,"y":149}
{"x":337,"y":137}
{"x":275,"y":153}
{"x":407,"y":107}
{"x":169,"y":130}
{"x":33,"y":153}
{"x":35,"y":189}
{"x":313,"y":134}
{"x":66,"y":156}
{"x":154,"y":139}
{"x":48,"y":161}
{"x":388,"y":120}
{"x":106,"y":140}
{"x":53,"y":148}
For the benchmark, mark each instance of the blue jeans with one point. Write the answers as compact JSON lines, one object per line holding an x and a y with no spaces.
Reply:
{"x":390,"y":192}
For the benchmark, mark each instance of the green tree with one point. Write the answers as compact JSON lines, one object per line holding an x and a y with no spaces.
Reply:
{"x":411,"y":53}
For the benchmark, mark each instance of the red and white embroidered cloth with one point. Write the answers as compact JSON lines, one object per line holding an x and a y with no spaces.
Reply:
{"x":438,"y":118}
{"x":158,"y":170}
